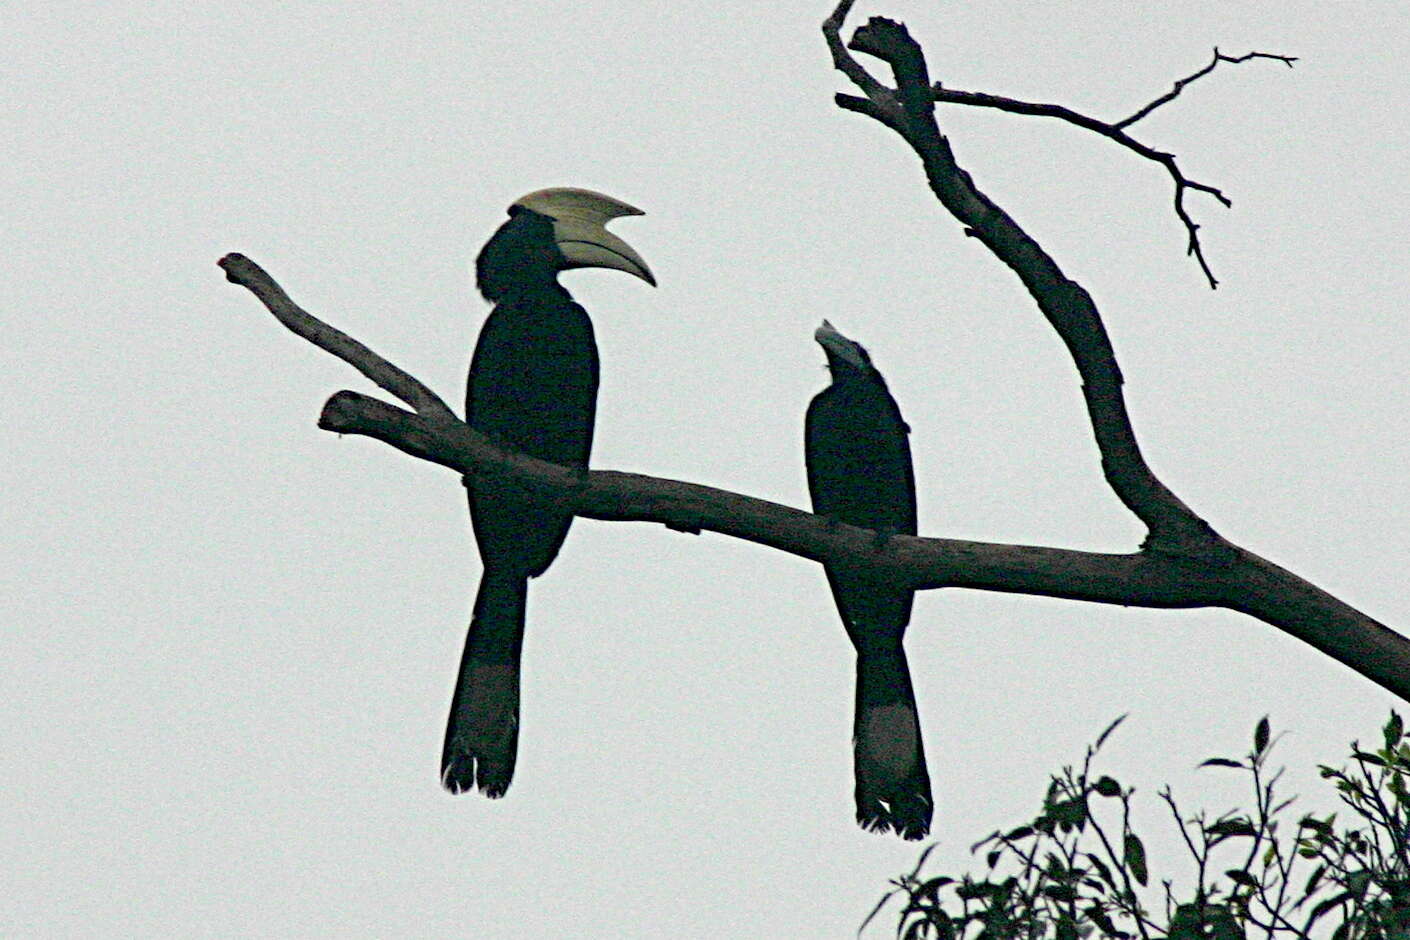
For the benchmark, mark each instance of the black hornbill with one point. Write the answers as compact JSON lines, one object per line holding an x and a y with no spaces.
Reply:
{"x":859,"y":472}
{"x":532,"y":387}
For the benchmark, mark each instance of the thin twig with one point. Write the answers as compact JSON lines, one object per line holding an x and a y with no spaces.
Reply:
{"x":1180,"y":84}
{"x":1169,"y":799}
{"x":1129,"y":899}
{"x":1117,"y":132}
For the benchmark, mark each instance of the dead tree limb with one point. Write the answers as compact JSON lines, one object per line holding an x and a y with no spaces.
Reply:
{"x":1180,"y":84}
{"x":1171,"y":525}
{"x":1113,"y":130}
{"x":1182,"y":563}
{"x":241,"y":270}
{"x":1143,"y":579}
{"x":1242,"y":580}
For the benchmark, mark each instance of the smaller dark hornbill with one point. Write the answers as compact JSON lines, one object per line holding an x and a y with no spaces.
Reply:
{"x":859,"y":472}
{"x":533,"y":388}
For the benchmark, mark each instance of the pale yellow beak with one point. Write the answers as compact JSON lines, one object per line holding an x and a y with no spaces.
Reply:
{"x":580,"y":218}
{"x":830,"y":338}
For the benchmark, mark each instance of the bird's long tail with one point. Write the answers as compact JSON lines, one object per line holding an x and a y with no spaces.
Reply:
{"x":482,"y":735}
{"x":893,"y":787}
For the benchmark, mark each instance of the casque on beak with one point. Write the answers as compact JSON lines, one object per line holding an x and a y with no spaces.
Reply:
{"x":580,"y":218}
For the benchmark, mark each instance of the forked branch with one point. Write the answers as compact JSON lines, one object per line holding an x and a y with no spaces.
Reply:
{"x":1172,"y":526}
{"x":1180,"y":84}
{"x":1183,"y":563}
{"x":241,"y":270}
{"x":1255,"y":586}
{"x":1117,"y":132}
{"x":876,"y":105}
{"x":1144,"y":579}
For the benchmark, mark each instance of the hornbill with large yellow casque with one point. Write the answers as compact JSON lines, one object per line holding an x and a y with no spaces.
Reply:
{"x":532,"y":387}
{"x":859,"y":472}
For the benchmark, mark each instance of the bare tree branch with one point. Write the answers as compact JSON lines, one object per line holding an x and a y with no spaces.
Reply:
{"x":871,"y":109}
{"x":1238,"y":581}
{"x":881,"y":98}
{"x":1183,"y":562}
{"x":1113,"y":132}
{"x":1248,"y":583}
{"x":1141,"y":580}
{"x":1172,"y":526}
{"x":241,"y":270}
{"x":1117,"y":132}
{"x":1180,"y":84}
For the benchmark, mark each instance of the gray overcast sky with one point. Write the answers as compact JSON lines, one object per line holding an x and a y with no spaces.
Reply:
{"x":229,"y":639}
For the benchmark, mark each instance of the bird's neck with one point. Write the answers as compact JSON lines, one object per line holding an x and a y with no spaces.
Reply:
{"x":536,"y":288}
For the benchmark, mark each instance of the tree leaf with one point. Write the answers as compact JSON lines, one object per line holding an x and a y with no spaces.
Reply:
{"x":1239,"y":876}
{"x":923,"y":856}
{"x":1106,"y":786}
{"x":973,"y":890}
{"x":1099,"y":917}
{"x":1102,"y":870}
{"x":1393,"y":731}
{"x":1187,"y":923}
{"x":1101,"y":738}
{"x":1135,"y":856}
{"x":1231,"y":827}
{"x":1260,"y":736}
{"x":876,"y":910}
{"x":1327,"y":905}
{"x":1315,"y":824}
{"x":1067,"y":815}
{"x":1221,"y":762}
{"x":930,"y":890}
{"x":1223,"y":924}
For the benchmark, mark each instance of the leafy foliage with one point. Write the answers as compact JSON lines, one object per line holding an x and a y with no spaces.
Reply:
{"x":1079,"y":870}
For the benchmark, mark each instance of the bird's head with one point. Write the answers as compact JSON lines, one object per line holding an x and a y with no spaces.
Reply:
{"x":844,"y":355}
{"x":552,"y":230}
